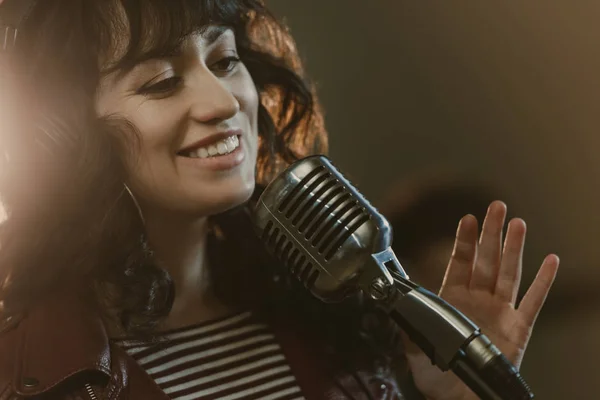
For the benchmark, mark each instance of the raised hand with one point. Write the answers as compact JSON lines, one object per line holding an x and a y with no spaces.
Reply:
{"x":482,"y":281}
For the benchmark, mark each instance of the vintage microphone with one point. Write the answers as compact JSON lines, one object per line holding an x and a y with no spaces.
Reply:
{"x":329,"y":236}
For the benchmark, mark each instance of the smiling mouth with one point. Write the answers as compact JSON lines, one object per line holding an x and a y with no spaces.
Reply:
{"x":220,"y":148}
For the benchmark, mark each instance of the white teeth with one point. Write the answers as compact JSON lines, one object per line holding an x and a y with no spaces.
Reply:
{"x":212,"y":150}
{"x":202,"y":152}
{"x":222,"y":147}
{"x":233,"y":143}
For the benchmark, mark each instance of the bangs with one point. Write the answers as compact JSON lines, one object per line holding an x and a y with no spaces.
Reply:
{"x":132,"y":31}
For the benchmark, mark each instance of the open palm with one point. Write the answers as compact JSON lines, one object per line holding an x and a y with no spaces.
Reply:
{"x":482,"y":281}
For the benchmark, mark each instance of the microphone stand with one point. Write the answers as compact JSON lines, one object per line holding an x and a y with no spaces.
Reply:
{"x":446,"y":336}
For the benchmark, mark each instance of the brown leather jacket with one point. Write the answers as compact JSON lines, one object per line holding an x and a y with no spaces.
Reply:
{"x":61,"y":351}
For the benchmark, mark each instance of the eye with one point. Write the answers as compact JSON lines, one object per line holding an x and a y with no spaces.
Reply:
{"x":162,"y":87}
{"x":226,"y":64}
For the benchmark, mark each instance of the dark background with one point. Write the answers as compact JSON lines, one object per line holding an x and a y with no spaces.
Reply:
{"x":505,"y":93}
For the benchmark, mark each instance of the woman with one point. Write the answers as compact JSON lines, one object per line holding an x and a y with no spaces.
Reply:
{"x":129,"y":270}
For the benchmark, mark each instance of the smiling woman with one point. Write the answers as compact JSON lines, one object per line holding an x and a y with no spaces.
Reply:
{"x":199,"y":100}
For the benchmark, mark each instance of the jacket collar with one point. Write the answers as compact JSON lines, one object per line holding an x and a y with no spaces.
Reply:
{"x":60,"y":337}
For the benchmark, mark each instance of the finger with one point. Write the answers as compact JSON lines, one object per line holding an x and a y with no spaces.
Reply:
{"x":509,"y":275}
{"x":463,"y":256}
{"x":536,"y":294}
{"x":490,"y":248}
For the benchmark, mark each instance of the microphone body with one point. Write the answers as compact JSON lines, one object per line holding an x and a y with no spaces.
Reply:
{"x":337,"y":244}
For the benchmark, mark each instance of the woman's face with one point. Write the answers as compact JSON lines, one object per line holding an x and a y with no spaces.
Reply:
{"x":196,"y":115}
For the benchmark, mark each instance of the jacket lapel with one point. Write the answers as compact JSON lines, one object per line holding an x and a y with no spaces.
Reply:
{"x":63,"y":337}
{"x":136,"y":382}
{"x":58,"y":339}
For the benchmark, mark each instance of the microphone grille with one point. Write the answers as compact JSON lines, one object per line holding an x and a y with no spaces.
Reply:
{"x":321,"y":209}
{"x":281,"y":247}
{"x":312,"y":219}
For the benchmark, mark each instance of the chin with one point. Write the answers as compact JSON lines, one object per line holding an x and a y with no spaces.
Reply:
{"x":226,"y":198}
{"x":233,"y":202}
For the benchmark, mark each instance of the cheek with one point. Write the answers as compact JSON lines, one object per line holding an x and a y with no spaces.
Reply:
{"x":147,"y":131}
{"x":247,"y":95}
{"x":249,"y":102}
{"x":150,"y":137}
{"x":156,"y":124}
{"x":153,"y":154}
{"x":145,"y":124}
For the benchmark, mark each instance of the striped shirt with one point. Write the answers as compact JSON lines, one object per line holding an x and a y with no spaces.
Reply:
{"x":236,"y":357}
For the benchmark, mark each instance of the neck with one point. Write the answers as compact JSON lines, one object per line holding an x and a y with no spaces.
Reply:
{"x":180,"y":245}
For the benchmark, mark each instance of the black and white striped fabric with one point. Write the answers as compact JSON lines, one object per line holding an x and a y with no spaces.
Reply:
{"x":231,"y":358}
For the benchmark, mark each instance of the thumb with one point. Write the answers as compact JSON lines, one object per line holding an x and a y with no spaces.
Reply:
{"x":409,"y":346}
{"x":417,"y":359}
{"x":431,"y":381}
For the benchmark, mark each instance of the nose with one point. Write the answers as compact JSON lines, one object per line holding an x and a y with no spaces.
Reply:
{"x":213,"y":100}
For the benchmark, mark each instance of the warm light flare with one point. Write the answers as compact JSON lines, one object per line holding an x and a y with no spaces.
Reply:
{"x":6,"y":113}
